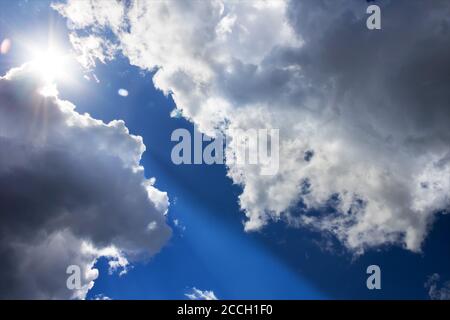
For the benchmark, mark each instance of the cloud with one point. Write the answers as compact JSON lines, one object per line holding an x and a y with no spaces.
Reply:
{"x":196,"y":294}
{"x":71,"y":191}
{"x":372,"y":113}
{"x":101,"y":297}
{"x":434,"y":292}
{"x":91,"y":49}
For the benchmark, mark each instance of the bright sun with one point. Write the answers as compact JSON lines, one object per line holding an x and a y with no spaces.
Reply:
{"x":52,"y":66}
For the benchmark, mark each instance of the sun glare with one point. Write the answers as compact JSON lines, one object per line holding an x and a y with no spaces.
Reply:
{"x":50,"y":64}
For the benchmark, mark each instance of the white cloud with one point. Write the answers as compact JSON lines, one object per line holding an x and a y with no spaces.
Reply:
{"x":101,"y":297}
{"x":375,"y":114}
{"x":435,"y":290}
{"x":72,"y":190}
{"x":91,"y":48}
{"x":177,"y":223}
{"x":84,"y":13}
{"x":196,"y":294}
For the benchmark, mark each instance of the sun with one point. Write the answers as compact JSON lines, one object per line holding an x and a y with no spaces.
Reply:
{"x":50,"y":64}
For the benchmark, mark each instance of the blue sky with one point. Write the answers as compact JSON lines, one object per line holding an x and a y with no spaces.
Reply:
{"x":209,"y":249}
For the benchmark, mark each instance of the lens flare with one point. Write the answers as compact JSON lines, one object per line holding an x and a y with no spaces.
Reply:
{"x":5,"y":46}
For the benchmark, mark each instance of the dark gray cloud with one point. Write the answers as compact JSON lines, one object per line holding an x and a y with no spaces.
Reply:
{"x":71,"y":191}
{"x":396,"y":78}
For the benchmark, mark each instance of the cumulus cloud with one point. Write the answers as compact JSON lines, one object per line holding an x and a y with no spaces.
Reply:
{"x":436,"y":291}
{"x":71,"y":191}
{"x":363,"y":115}
{"x":196,"y":294}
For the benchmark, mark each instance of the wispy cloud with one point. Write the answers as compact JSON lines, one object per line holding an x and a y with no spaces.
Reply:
{"x":437,"y":290}
{"x":196,"y":294}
